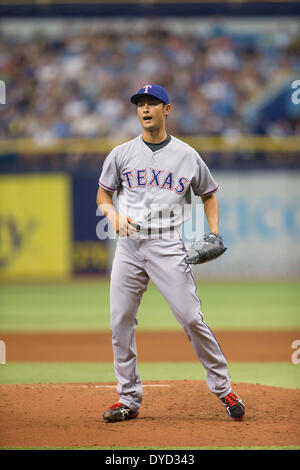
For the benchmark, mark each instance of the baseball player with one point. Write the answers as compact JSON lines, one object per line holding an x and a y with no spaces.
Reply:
{"x":152,"y":177}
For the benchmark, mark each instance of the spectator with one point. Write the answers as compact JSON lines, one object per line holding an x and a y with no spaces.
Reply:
{"x":77,"y":83}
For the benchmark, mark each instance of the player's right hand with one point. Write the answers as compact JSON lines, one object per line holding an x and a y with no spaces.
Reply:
{"x":124,"y":226}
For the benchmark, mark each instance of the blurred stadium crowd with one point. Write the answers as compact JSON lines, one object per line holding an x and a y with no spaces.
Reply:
{"x":77,"y":82}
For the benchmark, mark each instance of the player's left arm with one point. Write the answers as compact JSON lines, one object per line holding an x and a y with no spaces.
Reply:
{"x":212,"y":212}
{"x":211,"y":246}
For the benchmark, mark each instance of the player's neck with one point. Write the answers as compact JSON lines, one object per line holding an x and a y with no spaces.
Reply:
{"x":155,"y":136}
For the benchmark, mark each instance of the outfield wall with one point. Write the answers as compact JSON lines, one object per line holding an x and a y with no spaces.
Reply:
{"x":49,"y":226}
{"x":35,"y":226}
{"x":260,"y":224}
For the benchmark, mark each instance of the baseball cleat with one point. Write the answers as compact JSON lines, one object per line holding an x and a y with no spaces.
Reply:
{"x":234,"y":406}
{"x":119,"y":412}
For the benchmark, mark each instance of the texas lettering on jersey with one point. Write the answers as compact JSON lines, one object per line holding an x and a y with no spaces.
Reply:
{"x":150,"y":185}
{"x":156,"y":178}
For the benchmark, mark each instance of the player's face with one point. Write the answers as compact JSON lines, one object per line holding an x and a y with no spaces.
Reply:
{"x":152,"y":113}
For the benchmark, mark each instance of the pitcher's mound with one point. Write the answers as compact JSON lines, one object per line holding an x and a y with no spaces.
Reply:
{"x":174,"y":414}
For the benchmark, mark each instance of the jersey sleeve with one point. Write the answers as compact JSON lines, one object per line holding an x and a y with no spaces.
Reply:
{"x":203,"y":183}
{"x":110,"y":175}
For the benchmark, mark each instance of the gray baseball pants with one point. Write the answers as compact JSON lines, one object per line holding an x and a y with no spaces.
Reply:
{"x":161,"y":260}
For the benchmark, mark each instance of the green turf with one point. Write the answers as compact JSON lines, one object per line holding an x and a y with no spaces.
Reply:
{"x":279,"y":374}
{"x":84,"y":305}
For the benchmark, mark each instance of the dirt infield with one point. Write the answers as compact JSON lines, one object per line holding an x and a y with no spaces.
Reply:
{"x":174,"y":413}
{"x":158,"y":346}
{"x":181,"y":413}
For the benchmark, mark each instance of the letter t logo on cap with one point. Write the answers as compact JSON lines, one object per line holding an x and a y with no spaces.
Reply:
{"x":147,"y":88}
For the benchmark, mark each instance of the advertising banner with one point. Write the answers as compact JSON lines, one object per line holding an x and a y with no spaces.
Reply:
{"x":35,"y":226}
{"x":90,"y":252}
{"x":260,"y":225}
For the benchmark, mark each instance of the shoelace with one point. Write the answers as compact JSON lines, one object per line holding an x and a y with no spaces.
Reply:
{"x":231,"y":399}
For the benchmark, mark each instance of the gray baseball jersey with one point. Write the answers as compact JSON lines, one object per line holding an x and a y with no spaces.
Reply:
{"x":153,"y":188}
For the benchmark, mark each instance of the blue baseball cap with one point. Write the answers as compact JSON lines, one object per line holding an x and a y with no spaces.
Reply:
{"x":151,"y":90}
